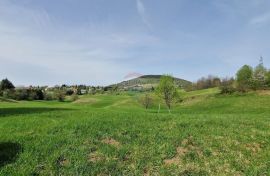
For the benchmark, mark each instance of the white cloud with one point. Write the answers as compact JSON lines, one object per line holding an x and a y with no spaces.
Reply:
{"x":261,"y":19}
{"x":90,"y":54}
{"x":142,"y":12}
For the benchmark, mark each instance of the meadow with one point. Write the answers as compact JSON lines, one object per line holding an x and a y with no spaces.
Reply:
{"x":206,"y":134}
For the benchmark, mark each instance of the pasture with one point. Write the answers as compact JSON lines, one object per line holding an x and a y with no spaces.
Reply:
{"x":206,"y":134}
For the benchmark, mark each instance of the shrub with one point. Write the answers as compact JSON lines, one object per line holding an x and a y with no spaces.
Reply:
{"x":21,"y":94}
{"x":9,"y":93}
{"x":227,"y":89}
{"x":267,"y":79}
{"x":59,"y":95}
{"x":74,"y":97}
{"x":146,"y":101}
{"x":244,"y":77}
{"x":48,"y":96}
{"x":39,"y":94}
{"x":69,"y":92}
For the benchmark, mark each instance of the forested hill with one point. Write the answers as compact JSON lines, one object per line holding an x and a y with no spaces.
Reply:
{"x":150,"y":81}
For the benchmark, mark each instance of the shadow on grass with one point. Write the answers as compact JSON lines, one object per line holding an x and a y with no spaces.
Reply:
{"x":9,"y":152}
{"x":4,"y":112}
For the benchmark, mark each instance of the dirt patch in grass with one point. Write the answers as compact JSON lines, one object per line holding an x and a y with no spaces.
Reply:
{"x":95,"y":157}
{"x":172,"y":161}
{"x":187,"y":146}
{"x":263,"y":92}
{"x":112,"y":142}
{"x":62,"y":161}
{"x":253,"y":147}
{"x":181,"y":151}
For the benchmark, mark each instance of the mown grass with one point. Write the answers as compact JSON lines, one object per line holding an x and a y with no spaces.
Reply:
{"x":207,"y":134}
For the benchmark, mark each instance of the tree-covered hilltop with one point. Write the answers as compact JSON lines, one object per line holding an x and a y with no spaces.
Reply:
{"x":149,"y":81}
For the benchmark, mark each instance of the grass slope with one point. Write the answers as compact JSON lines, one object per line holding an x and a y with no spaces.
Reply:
{"x":207,"y":134}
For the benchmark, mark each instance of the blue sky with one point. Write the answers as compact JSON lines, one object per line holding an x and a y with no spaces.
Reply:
{"x":99,"y":42}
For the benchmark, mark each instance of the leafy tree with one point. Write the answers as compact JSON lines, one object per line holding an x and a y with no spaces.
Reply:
{"x":69,"y":92}
{"x":39,"y":94}
{"x":74,"y":97}
{"x":259,"y":76}
{"x":267,"y":79}
{"x":9,"y":93}
{"x":204,"y":83}
{"x":21,"y":94}
{"x":48,"y":96}
{"x":244,"y":77}
{"x":146,"y":100}
{"x":59,"y":95}
{"x":227,"y":86}
{"x":167,"y":90}
{"x":6,"y":84}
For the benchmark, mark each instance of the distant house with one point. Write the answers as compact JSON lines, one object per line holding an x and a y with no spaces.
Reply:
{"x":83,"y":91}
{"x":134,"y":88}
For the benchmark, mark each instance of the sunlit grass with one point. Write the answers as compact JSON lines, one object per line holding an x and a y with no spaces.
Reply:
{"x":207,"y":134}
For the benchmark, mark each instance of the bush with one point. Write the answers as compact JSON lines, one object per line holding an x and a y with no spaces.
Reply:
{"x":28,"y":94}
{"x":59,"y":95}
{"x":74,"y":97}
{"x":69,"y":92}
{"x":9,"y":93}
{"x":267,"y":79}
{"x":48,"y":96}
{"x":39,"y":94}
{"x":227,"y":90}
{"x":244,"y":78}
{"x":146,"y":101}
{"x":21,"y":94}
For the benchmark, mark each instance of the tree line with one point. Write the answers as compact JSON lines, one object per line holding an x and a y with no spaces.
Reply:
{"x":247,"y":78}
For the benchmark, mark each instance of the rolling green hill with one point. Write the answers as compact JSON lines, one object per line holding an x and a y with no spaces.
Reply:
{"x":108,"y":134}
{"x":149,"y":81}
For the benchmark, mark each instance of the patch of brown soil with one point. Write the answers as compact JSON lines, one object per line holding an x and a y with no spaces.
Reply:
{"x":187,"y":146}
{"x":181,"y":151}
{"x":95,"y":157}
{"x":146,"y":172}
{"x":63,"y":161}
{"x":254,"y":147}
{"x":172,"y":161}
{"x":263,"y":92}
{"x":111,"y":141}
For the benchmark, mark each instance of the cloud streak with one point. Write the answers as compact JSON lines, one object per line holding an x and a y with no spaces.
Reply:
{"x":91,"y":54}
{"x":142,"y":12}
{"x":261,"y":19}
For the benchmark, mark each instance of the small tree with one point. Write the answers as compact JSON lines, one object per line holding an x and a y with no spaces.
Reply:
{"x":6,"y":84}
{"x":227,"y":86}
{"x":146,"y":101}
{"x":167,"y":90}
{"x":59,"y":95}
{"x":244,"y":77}
{"x":267,"y":79}
{"x":259,"y":76}
{"x":74,"y":97}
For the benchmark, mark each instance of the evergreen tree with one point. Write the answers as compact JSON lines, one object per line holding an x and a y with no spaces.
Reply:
{"x":6,"y":84}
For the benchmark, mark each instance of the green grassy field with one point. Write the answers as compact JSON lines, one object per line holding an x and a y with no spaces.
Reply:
{"x":207,"y":134}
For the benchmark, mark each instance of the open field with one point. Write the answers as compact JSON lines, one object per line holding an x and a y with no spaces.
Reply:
{"x":207,"y":134}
